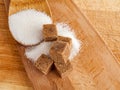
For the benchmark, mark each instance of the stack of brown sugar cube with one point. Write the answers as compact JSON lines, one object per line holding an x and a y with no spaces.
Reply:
{"x":59,"y":52}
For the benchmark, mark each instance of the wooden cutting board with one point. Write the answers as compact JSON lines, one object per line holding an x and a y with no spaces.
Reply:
{"x":94,"y":67}
{"x":104,"y":15}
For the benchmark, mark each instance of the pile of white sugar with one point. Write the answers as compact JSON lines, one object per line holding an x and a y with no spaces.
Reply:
{"x":34,"y":52}
{"x":26,"y":27}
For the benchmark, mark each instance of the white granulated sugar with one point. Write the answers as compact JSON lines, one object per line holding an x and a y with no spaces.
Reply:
{"x":26,"y":26}
{"x":66,"y":31}
{"x":34,"y":52}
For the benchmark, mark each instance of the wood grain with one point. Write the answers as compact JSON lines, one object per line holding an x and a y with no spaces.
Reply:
{"x":104,"y":15}
{"x":93,"y":71}
{"x":12,"y":72}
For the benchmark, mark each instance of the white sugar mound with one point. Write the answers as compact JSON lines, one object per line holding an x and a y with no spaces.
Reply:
{"x":26,"y":26}
{"x":34,"y":52}
{"x":66,"y":31}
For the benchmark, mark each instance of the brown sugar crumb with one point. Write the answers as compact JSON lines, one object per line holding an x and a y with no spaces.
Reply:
{"x":60,"y":51}
{"x":63,"y":69}
{"x":49,"y":32}
{"x":44,"y":63}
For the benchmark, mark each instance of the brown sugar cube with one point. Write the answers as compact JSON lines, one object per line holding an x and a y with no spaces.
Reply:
{"x":60,"y":51}
{"x":44,"y":63}
{"x":49,"y":32}
{"x":63,"y":69}
{"x":65,"y":39}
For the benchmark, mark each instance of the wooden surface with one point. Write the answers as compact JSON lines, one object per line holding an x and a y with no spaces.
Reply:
{"x":96,"y":69}
{"x":40,"y":81}
{"x":104,"y":15}
{"x":41,"y":5}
